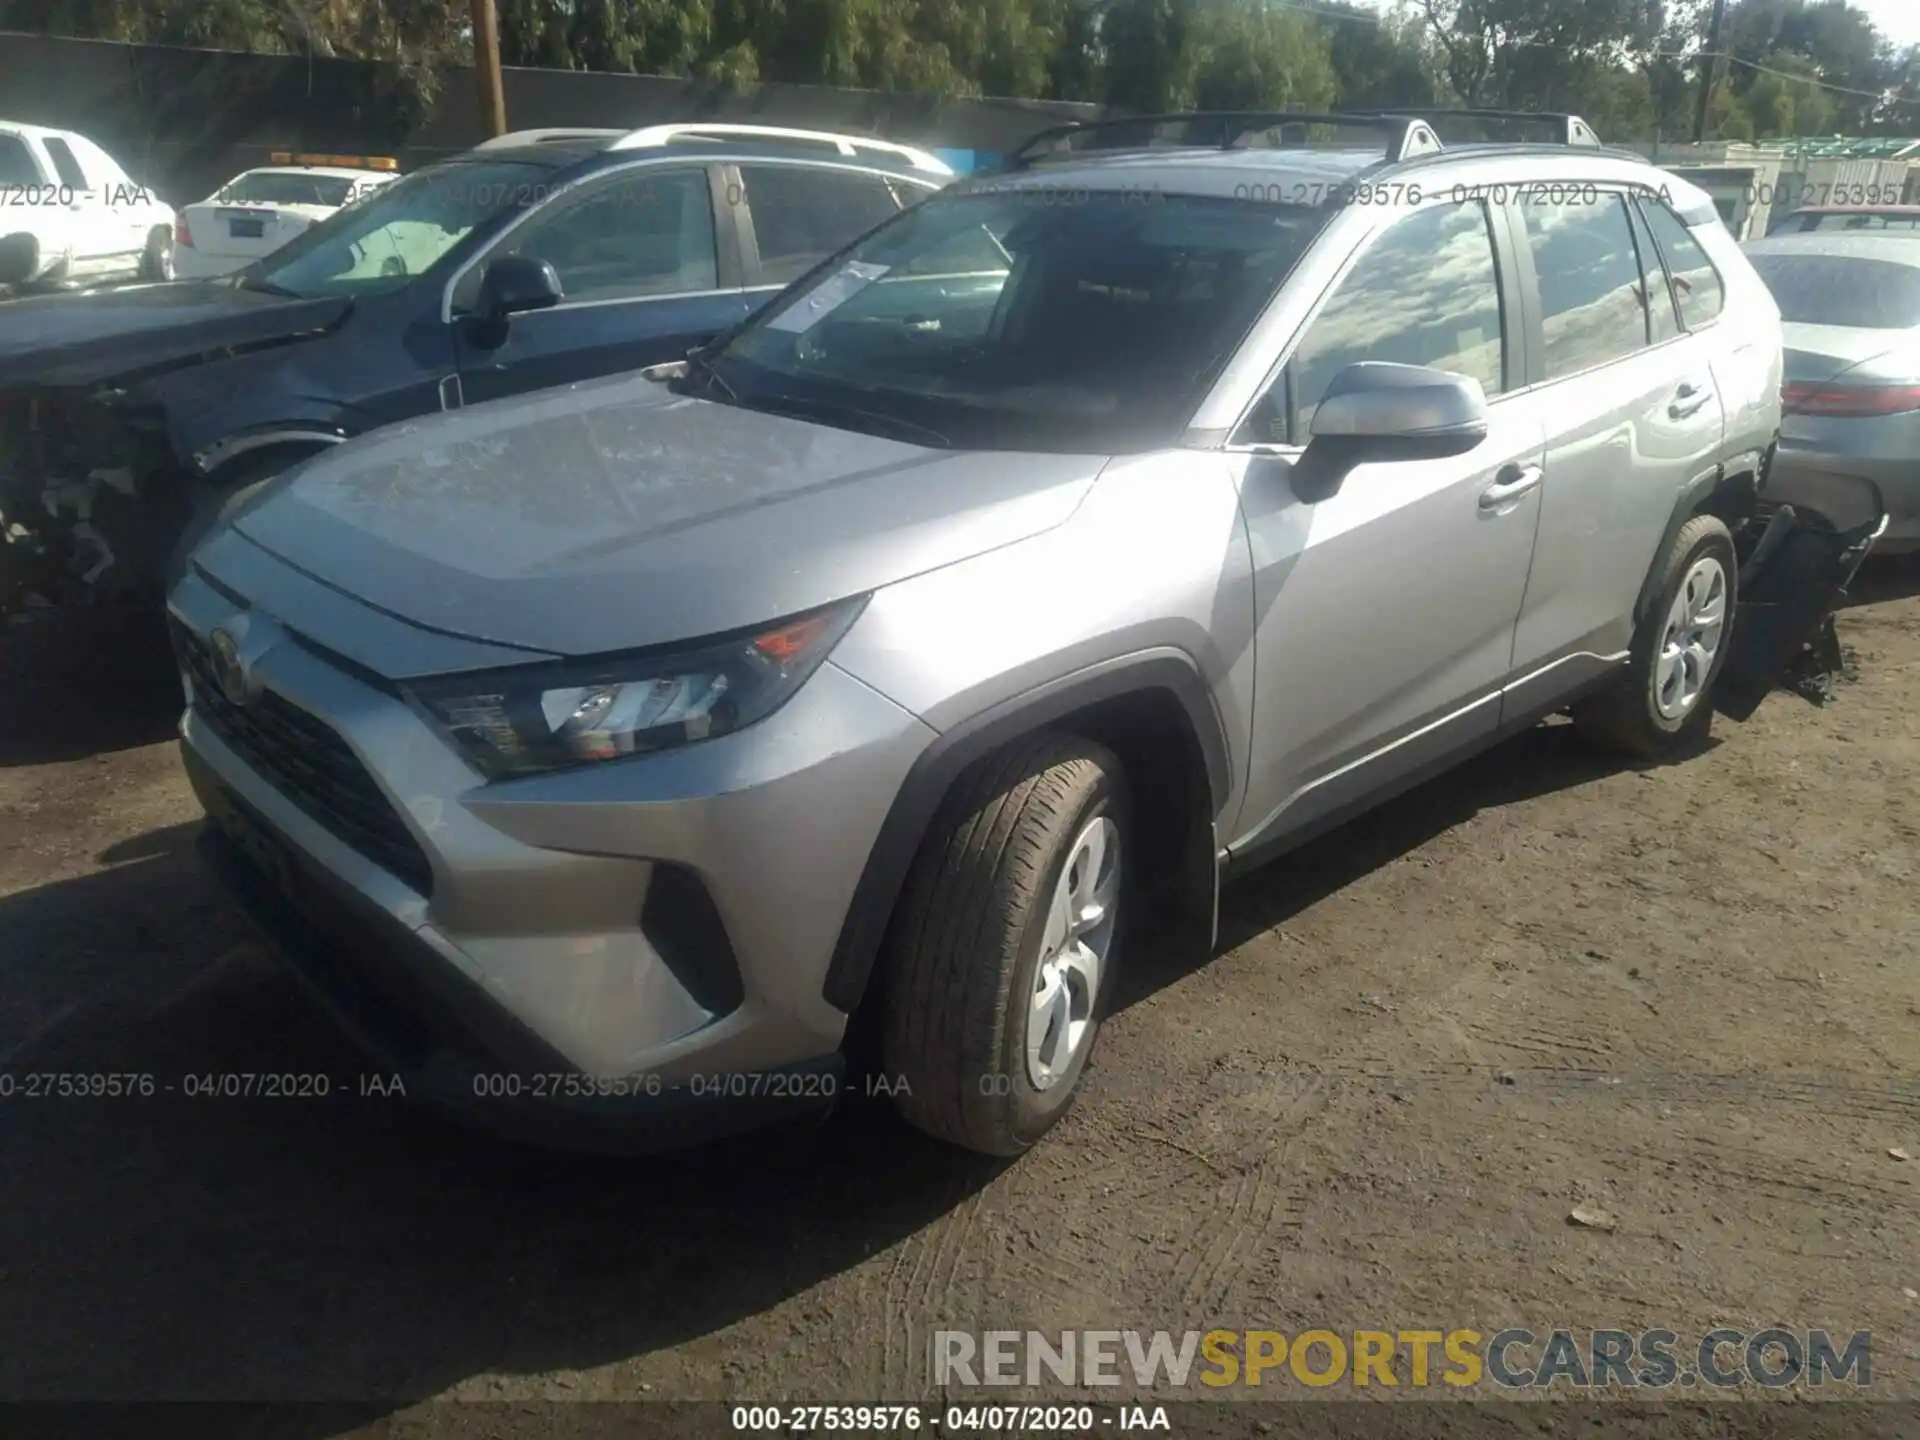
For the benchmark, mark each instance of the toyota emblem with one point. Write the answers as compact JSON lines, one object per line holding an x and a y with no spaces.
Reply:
{"x":228,"y":671}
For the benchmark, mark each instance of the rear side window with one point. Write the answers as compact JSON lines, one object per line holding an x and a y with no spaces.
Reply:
{"x":803,"y":213}
{"x":1697,"y":286}
{"x":1426,"y":293}
{"x":1851,"y":290}
{"x":1589,"y":276}
{"x":63,"y":161}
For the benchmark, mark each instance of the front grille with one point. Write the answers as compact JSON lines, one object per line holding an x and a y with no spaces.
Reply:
{"x":307,"y":761}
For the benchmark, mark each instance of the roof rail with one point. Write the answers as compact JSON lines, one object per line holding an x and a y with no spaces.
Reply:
{"x":515,"y":138}
{"x":1567,"y":129}
{"x":1404,"y":136}
{"x":850,"y":145}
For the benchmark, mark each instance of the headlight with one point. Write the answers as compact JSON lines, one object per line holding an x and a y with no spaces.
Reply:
{"x":548,"y":717}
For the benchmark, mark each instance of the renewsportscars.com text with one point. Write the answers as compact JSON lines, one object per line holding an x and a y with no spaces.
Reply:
{"x":1510,"y":1359}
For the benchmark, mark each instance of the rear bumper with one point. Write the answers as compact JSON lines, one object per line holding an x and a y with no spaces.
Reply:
{"x":194,"y":264}
{"x":1818,"y":478}
{"x":450,"y":1046}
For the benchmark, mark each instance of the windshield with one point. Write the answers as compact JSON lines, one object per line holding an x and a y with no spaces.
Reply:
{"x":399,"y":231}
{"x":267,"y":187}
{"x":1858,"y":220}
{"x":1850,"y":290}
{"x":1088,"y":321}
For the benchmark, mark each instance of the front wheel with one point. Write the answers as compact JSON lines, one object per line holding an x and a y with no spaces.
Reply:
{"x":1001,"y":955}
{"x":1664,"y":703}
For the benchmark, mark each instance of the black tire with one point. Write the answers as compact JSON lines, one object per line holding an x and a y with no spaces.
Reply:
{"x":19,"y":259}
{"x":1626,"y":717}
{"x":156,"y":261}
{"x":964,"y":947}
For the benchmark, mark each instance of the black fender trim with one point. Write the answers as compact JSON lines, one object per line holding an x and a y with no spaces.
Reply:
{"x":211,"y":457}
{"x":933,"y":774}
{"x":1684,"y":506}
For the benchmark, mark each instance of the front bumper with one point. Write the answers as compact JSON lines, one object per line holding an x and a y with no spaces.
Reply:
{"x":527,"y":962}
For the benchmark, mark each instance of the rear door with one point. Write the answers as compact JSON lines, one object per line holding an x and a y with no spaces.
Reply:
{"x":644,"y":271}
{"x":98,"y":237}
{"x":129,"y":206}
{"x":1634,"y":417}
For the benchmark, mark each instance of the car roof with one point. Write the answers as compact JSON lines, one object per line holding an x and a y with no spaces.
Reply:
{"x":1858,"y":210}
{"x":590,"y":153}
{"x":35,"y":132}
{"x":1316,"y":175}
{"x":1898,"y":246}
{"x":337,"y":172}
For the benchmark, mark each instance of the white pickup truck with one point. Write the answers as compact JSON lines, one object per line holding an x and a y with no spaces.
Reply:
{"x":70,"y":214}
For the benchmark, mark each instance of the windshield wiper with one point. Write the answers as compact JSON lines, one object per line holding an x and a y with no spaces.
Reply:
{"x":699,"y":363}
{"x":266,"y":287}
{"x":830,"y":410}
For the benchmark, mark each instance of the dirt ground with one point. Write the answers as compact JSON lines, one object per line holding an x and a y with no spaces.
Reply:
{"x":1689,"y":996}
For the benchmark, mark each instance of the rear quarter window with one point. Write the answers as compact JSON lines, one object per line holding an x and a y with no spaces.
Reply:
{"x":1697,"y":287}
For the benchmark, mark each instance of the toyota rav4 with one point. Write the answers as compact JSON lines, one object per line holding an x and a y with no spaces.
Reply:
{"x":615,"y":759}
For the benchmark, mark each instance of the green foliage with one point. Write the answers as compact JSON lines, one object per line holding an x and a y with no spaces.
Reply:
{"x":1792,"y":67}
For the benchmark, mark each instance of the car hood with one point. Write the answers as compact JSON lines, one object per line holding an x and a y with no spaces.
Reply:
{"x":614,"y":514}
{"x":82,"y":338}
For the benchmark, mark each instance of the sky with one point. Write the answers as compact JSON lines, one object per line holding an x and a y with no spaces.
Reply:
{"x":1899,"y":20}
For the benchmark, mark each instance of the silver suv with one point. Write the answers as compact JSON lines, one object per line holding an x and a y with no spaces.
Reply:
{"x":614,"y":760}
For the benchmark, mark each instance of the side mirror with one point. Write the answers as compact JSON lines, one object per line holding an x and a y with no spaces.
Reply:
{"x":1375,"y":411}
{"x":513,"y":284}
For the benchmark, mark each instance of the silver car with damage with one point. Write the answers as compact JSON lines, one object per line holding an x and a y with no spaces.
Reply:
{"x":640,"y":759}
{"x":1851,"y":306}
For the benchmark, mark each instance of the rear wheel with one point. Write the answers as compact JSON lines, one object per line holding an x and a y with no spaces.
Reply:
{"x":1001,"y":955}
{"x":156,"y":261}
{"x":1664,"y":703}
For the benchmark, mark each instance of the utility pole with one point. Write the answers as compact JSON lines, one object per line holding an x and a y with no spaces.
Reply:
{"x":1709,"y":62}
{"x":486,"y":68}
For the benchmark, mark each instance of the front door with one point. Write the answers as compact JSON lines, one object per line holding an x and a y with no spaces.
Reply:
{"x":639,"y":265}
{"x":1386,"y":612}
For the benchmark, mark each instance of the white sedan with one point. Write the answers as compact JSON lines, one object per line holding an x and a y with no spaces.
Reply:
{"x":258,"y":211}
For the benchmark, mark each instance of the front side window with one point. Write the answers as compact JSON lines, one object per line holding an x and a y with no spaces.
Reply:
{"x":647,"y":232}
{"x":1589,"y":276}
{"x":995,"y":321}
{"x":402,"y":230}
{"x":804,"y":213}
{"x":1427,"y":292}
{"x":1697,"y":287}
{"x":16,"y":163}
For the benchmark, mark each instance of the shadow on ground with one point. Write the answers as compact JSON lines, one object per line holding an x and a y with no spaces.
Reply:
{"x":347,"y":1249}
{"x":1885,"y":578}
{"x":75,"y":684}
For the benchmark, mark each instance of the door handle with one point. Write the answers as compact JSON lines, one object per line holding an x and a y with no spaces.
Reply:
{"x":1510,"y":484}
{"x":1688,"y":400}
